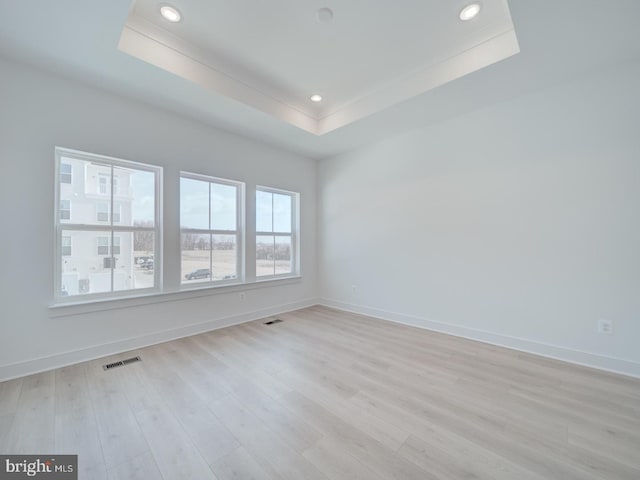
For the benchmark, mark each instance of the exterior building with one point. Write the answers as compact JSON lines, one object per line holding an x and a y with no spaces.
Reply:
{"x":89,"y":256}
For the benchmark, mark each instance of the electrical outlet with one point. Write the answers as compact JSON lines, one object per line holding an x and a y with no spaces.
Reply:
{"x":605,"y":326}
{"x":354,"y":288}
{"x":241,"y":296}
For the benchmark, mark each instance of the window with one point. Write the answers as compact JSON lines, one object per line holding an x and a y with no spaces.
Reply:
{"x":102,"y":212}
{"x":103,"y":245}
{"x":65,"y":209}
{"x":65,"y":173}
{"x":276,"y":232}
{"x":66,"y":246}
{"x":210,"y":227}
{"x":117,"y":213}
{"x":107,"y":237}
{"x":103,"y":184}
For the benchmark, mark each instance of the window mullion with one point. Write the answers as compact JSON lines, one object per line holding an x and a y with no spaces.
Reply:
{"x":113,"y":259}
{"x":210,"y":240}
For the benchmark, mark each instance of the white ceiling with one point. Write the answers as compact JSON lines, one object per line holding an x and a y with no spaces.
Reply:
{"x":558,"y":40}
{"x":274,"y":55}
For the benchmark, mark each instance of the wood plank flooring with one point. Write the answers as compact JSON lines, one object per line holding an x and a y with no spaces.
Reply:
{"x":329,"y":395}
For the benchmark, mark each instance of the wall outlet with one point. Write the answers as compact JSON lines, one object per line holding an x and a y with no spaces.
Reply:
{"x":242,"y":296}
{"x":605,"y":326}
{"x":354,"y":288}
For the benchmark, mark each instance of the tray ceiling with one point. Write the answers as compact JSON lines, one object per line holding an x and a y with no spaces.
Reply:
{"x":273,"y":56}
{"x":78,"y":39}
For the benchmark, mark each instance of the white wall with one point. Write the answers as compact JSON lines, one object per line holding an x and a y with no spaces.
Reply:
{"x":39,"y":111}
{"x":518,"y":224}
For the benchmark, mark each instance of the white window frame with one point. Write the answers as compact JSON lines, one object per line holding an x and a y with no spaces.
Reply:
{"x":239,"y":233}
{"x":108,"y":228}
{"x":295,"y":234}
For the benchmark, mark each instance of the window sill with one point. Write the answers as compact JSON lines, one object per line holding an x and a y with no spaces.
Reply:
{"x":81,"y":307}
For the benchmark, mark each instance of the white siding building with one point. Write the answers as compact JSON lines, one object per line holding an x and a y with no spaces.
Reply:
{"x":88,"y":256}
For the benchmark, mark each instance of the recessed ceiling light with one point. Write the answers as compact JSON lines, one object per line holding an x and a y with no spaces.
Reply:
{"x":316,"y":98}
{"x":469,"y":12}
{"x":170,"y":13}
{"x":325,"y":15}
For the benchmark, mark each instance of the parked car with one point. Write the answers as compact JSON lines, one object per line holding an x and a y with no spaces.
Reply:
{"x":148,"y":264}
{"x":200,"y":273}
{"x":142,"y":259}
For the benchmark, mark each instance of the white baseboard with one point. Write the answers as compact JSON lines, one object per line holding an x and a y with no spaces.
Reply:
{"x":600,"y":362}
{"x":20,"y":369}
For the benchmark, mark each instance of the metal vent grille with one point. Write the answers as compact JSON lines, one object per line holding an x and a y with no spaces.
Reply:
{"x":271,"y":322}
{"x":121,"y":363}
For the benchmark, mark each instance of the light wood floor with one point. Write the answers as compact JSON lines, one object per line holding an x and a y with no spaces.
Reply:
{"x":329,"y":395}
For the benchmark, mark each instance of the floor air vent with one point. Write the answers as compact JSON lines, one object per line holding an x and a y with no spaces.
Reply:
{"x":121,"y":363}
{"x":271,"y":322}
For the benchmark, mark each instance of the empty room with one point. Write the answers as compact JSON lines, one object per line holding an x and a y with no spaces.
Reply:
{"x":325,"y":240}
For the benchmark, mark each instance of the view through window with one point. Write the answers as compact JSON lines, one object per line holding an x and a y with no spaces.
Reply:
{"x":107,"y":225}
{"x":275,"y":232}
{"x":210,"y":229}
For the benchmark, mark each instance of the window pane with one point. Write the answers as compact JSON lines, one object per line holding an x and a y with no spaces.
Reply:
{"x":127,"y":274}
{"x":143,"y":259}
{"x":102,"y":211}
{"x":66,"y":246}
{"x":65,"y":173}
{"x":264,"y":211}
{"x":102,"y":242}
{"x":102,"y":261}
{"x":117,"y":241}
{"x":84,"y":271}
{"x":223,"y":206}
{"x":117,"y":214}
{"x":89,"y":206}
{"x":196,"y":258}
{"x":122,"y":261}
{"x":224,"y":254}
{"x":134,"y":197}
{"x":281,"y":213}
{"x":282,"y":255}
{"x":65,"y":210}
{"x":104,"y":181}
{"x":264,"y":255}
{"x":194,"y":204}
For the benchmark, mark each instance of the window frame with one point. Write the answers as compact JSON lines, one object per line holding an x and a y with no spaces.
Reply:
{"x":240,"y":232}
{"x":108,"y":228}
{"x":295,"y":234}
